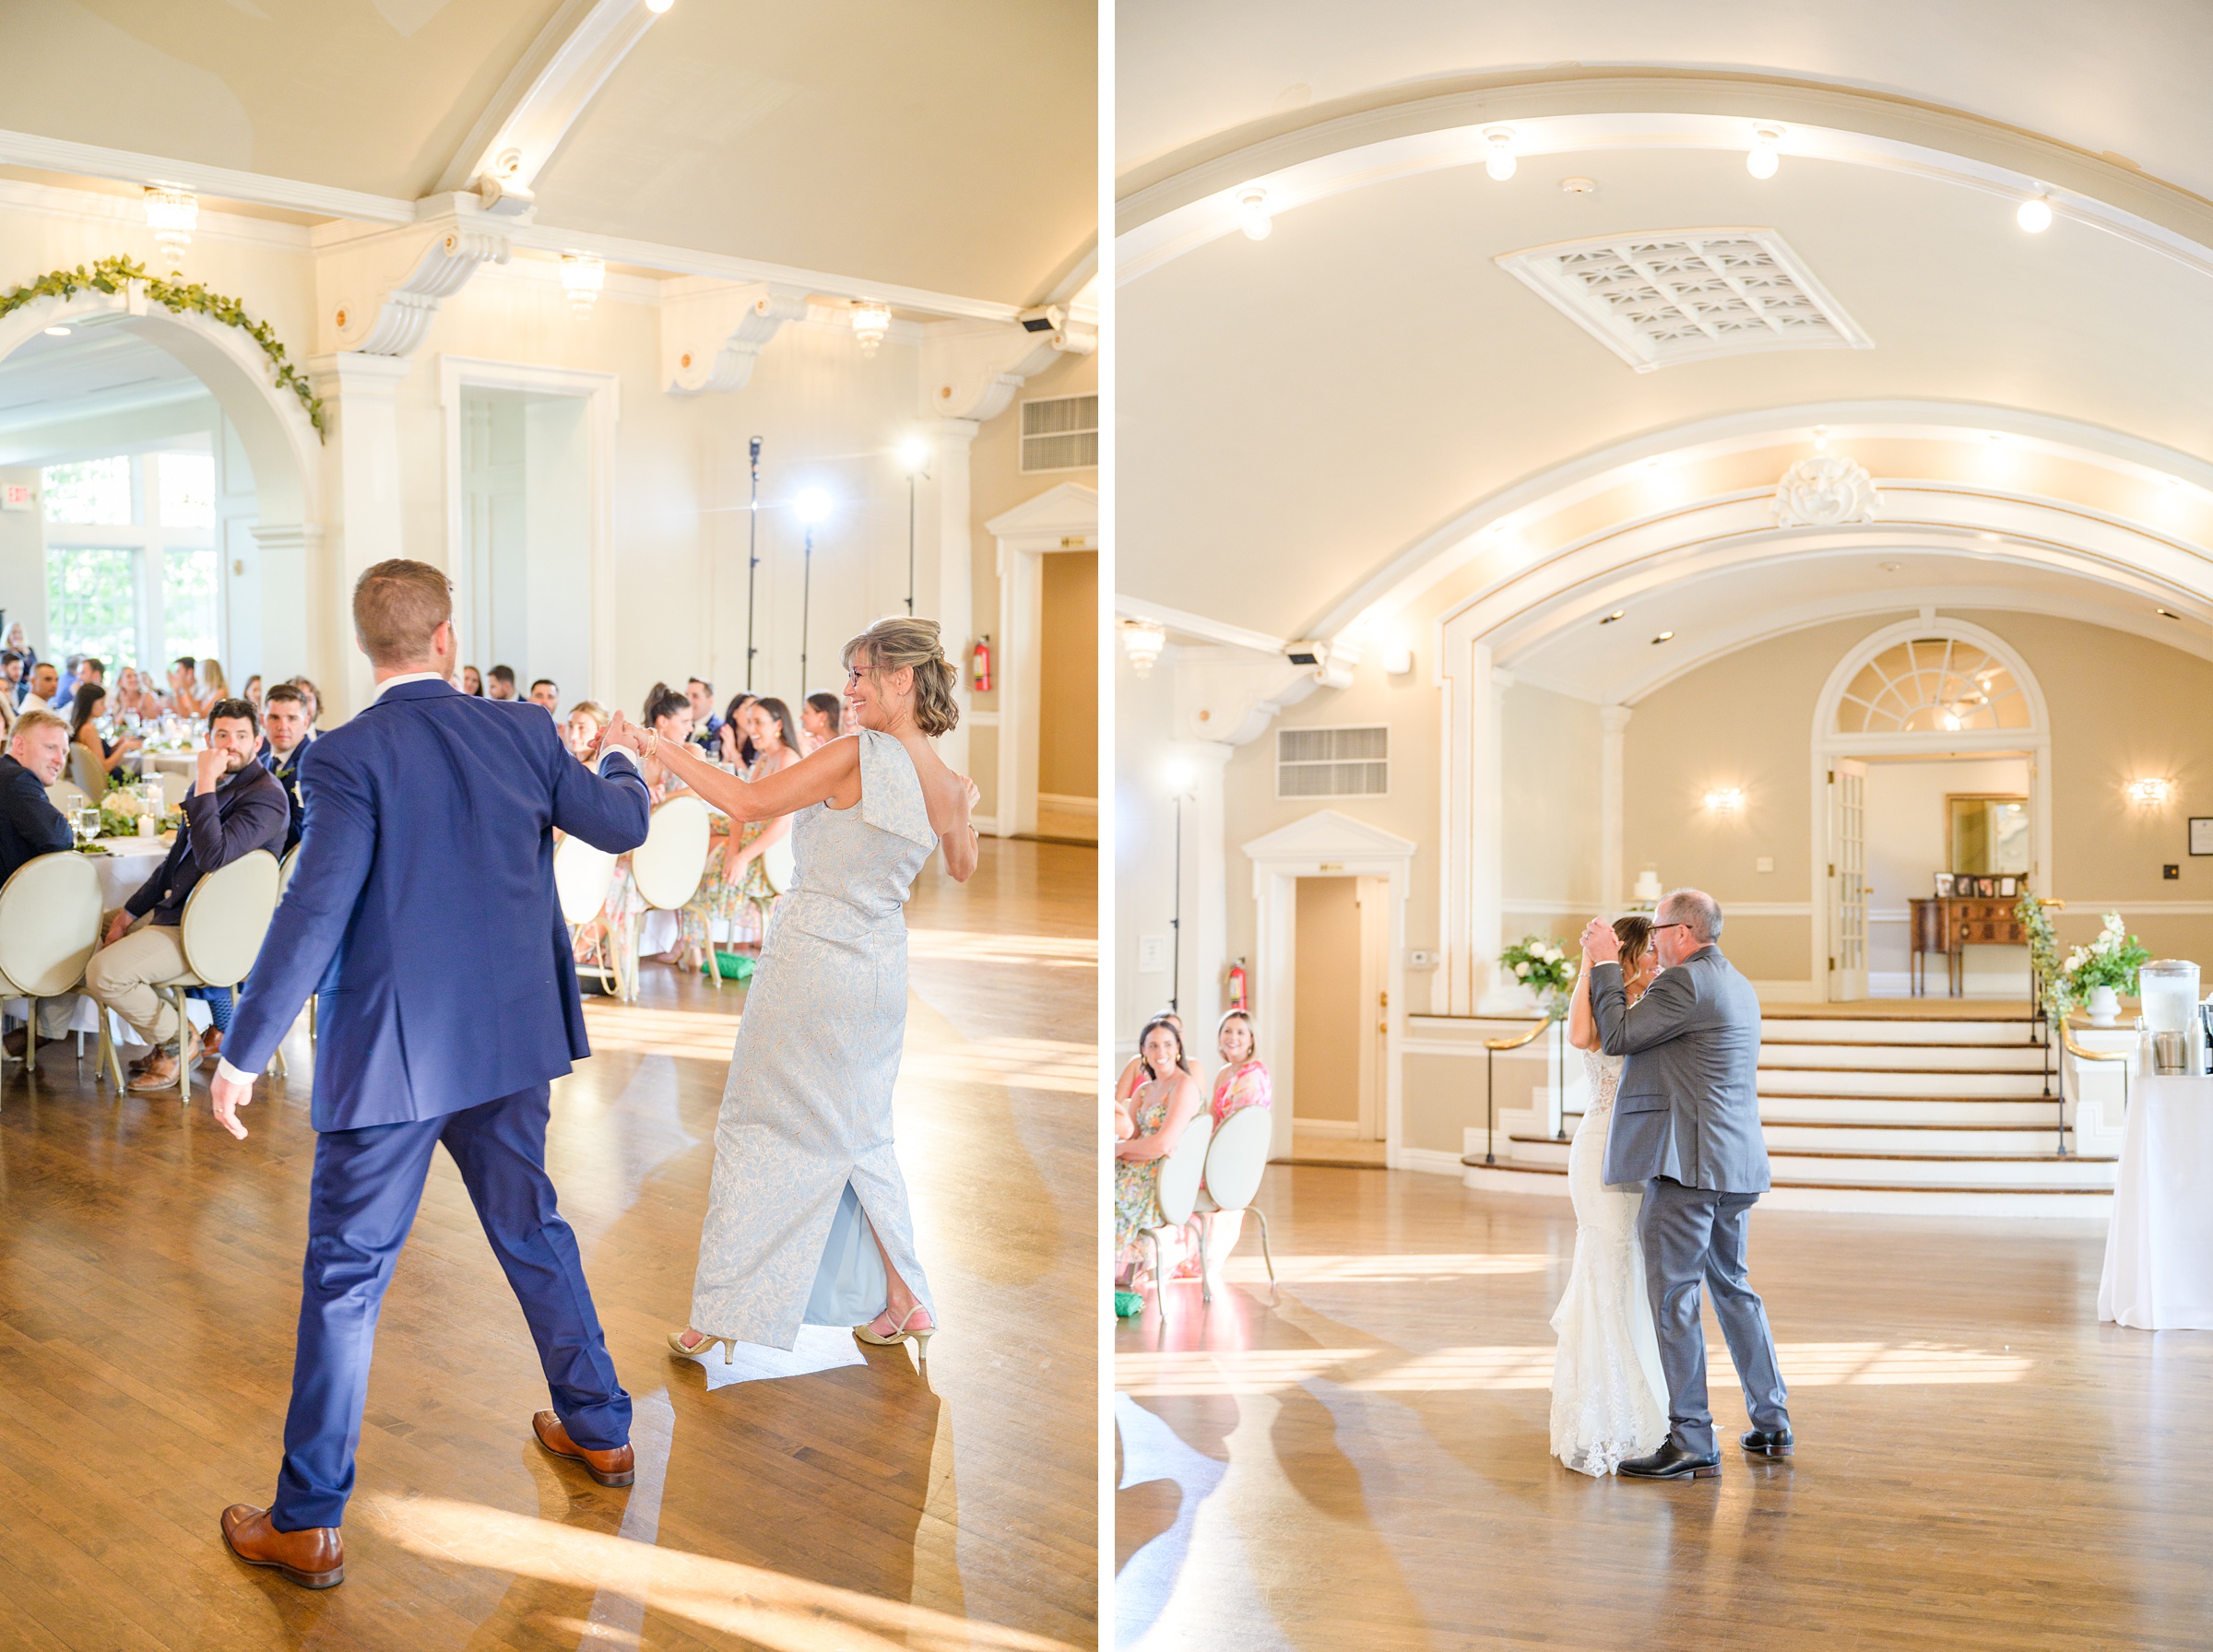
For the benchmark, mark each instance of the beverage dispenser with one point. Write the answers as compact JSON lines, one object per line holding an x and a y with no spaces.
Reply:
{"x":2169,"y":991}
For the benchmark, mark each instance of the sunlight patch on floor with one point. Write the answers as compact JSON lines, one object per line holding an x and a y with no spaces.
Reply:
{"x":1048,"y":950}
{"x":1377,"y":1271}
{"x":787,"y":1614}
{"x":638,"y":1029}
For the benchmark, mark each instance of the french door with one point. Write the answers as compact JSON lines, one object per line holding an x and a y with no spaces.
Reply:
{"x":1847,"y":880}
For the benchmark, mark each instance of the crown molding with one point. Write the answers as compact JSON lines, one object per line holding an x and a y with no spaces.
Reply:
{"x":130,"y":166}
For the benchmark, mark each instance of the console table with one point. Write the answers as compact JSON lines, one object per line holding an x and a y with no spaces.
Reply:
{"x":1950,"y":925}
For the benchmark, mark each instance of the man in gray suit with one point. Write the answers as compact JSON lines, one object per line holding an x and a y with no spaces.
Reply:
{"x":1687,"y":1124}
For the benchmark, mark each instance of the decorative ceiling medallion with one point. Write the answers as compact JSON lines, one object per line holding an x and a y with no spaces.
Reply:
{"x":1682,"y":295}
{"x":1824,"y":491}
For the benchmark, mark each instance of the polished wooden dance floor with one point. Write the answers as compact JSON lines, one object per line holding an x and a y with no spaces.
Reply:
{"x":1360,"y":1459}
{"x":149,"y":1280}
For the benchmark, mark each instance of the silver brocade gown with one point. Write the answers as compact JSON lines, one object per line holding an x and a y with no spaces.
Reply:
{"x":1609,"y":1399}
{"x":803,"y":1142}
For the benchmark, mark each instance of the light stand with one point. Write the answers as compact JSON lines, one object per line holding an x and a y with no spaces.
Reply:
{"x":753,"y":566}
{"x":910,"y":545}
{"x":806,"y":596}
{"x":1176,"y":921}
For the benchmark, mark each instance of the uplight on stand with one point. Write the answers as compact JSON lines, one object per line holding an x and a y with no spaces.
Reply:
{"x":914,"y":459}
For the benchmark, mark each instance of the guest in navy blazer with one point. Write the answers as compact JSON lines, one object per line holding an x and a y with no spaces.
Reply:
{"x":430,"y":822}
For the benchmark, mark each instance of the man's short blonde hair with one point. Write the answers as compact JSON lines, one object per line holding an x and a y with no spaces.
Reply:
{"x":396,"y":606}
{"x":32,"y":719}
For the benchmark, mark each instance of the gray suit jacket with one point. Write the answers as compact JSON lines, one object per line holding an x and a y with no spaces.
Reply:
{"x":1689,"y":1107}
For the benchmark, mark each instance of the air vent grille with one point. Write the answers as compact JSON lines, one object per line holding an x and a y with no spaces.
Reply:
{"x":1061,"y":433}
{"x":1332,"y":762}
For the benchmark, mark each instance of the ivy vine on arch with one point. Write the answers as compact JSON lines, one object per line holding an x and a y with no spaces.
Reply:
{"x":110,"y":275}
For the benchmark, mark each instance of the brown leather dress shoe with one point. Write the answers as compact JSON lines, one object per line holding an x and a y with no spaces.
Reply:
{"x":158,"y":1073}
{"x":314,"y":1558}
{"x":616,"y":1468}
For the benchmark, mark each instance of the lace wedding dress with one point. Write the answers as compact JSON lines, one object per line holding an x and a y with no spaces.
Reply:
{"x":1608,"y":1397}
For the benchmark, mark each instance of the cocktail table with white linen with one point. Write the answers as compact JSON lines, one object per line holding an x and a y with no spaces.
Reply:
{"x":2159,"y":1243}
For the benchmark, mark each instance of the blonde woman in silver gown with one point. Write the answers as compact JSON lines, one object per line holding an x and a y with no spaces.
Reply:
{"x":807,"y":1214}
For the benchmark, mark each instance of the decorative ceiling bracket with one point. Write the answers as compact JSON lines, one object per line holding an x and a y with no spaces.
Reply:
{"x":1232,"y":694}
{"x":713,"y":333}
{"x":381,"y":291}
{"x":970,"y":370}
{"x":1826,"y":491}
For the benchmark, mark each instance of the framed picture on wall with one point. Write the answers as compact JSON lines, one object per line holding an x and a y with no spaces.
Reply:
{"x":1944,"y":886}
{"x":2201,"y":834}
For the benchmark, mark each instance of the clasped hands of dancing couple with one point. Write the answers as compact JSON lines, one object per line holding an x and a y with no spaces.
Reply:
{"x":1666,"y":1164}
{"x":429,"y":831}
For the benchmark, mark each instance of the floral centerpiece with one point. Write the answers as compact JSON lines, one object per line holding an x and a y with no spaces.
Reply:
{"x":2100,"y":971}
{"x":1540,"y":963}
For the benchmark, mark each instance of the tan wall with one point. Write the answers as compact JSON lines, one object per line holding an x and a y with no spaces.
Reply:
{"x":1550,"y":775}
{"x":1068,"y":727}
{"x":1326,"y":1069}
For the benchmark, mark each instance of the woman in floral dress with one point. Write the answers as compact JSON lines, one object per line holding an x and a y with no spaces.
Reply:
{"x":1242,"y":1082}
{"x":1162,"y":1109}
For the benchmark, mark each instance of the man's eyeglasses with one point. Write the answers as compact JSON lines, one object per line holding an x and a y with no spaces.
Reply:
{"x":1657,"y":927}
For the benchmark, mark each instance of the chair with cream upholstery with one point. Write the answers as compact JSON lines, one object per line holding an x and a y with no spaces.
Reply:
{"x":582,"y":877}
{"x":666,"y":868}
{"x":1234,"y":1162}
{"x":225,"y":918}
{"x":49,"y":925}
{"x":66,"y":796}
{"x":1179,"y":1176}
{"x":175,"y":787}
{"x":86,"y":773}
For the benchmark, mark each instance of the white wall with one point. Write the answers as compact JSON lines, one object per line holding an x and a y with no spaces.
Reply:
{"x":1906,"y":849}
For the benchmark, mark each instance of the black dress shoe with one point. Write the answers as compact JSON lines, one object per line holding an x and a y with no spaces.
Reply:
{"x":1763,"y":1442}
{"x":1671,"y":1462}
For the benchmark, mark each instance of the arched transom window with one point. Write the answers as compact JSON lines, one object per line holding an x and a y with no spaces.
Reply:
{"x":1932,"y":685}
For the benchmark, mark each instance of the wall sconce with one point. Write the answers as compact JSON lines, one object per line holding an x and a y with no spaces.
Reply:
{"x":871,"y":322}
{"x":2151,"y":793}
{"x":173,"y":215}
{"x":1142,"y":640}
{"x":582,"y":277}
{"x":1725,"y":800}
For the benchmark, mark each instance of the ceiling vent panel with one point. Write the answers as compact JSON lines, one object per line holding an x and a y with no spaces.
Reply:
{"x":1666,"y":296}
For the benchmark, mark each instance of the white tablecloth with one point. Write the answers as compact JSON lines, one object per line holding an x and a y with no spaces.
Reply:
{"x":2159,"y":1244}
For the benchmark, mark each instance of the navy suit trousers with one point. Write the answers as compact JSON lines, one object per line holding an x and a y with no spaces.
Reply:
{"x":367,"y":1185}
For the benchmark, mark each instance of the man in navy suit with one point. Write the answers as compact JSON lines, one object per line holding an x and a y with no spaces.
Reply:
{"x":429,"y":823}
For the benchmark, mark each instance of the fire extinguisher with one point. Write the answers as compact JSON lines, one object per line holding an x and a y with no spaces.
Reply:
{"x":1237,"y":984}
{"x":979,"y":665}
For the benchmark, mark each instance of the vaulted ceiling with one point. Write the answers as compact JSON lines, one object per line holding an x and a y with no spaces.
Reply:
{"x":944,"y":145}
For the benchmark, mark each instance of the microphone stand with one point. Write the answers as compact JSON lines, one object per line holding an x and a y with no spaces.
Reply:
{"x":753,"y":566}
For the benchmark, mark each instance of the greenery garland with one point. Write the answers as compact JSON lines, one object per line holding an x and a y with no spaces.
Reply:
{"x":110,"y":275}
{"x":2043,"y":954}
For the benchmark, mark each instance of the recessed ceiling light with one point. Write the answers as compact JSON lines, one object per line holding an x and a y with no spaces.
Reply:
{"x":57,"y":332}
{"x":2166,"y":613}
{"x":1666,"y":636}
{"x":1579,"y":186}
{"x":1987,"y":538}
{"x":2034,"y":215}
{"x":1617,"y":614}
{"x":1889,"y":567}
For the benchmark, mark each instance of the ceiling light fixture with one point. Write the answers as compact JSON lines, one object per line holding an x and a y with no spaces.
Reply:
{"x":2150,"y":794}
{"x":658,"y":7}
{"x":582,"y":277}
{"x":57,"y":332}
{"x":2034,"y":215}
{"x":1820,"y":437}
{"x":1666,"y":636}
{"x":1253,"y":216}
{"x":1500,"y":162}
{"x":1764,"y":156}
{"x":173,"y":214}
{"x":1579,"y":186}
{"x":1617,"y":614}
{"x":871,"y":322}
{"x":1141,"y":642}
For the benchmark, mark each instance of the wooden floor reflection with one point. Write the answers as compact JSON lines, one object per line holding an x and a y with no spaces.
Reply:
{"x":1359,"y":1457}
{"x":150,"y":1280}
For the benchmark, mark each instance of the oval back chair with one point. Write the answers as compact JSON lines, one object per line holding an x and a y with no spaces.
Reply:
{"x":49,"y":927}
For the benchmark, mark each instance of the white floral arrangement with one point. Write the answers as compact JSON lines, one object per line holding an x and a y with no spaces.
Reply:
{"x":1542,"y":965}
{"x":2112,"y":959}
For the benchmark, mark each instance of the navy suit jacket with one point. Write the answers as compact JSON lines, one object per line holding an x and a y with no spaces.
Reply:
{"x":423,"y":910}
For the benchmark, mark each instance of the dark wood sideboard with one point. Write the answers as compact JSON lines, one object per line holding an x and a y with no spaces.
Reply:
{"x":1951,"y":924}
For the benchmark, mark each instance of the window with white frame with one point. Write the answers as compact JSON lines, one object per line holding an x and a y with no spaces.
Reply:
{"x":132,"y":573}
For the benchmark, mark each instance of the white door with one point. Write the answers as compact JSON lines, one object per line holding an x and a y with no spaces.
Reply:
{"x":1374,"y":897}
{"x":1847,"y":879}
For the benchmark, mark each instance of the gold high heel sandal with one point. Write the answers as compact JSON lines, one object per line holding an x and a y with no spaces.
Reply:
{"x":900,"y":1334}
{"x":698,"y":1350}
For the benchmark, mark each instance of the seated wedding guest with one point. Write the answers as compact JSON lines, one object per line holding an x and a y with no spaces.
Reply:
{"x":500,"y":685}
{"x":1243,"y":1082}
{"x":18,"y":645}
{"x":1134,"y":1071}
{"x":1162,"y":1109}
{"x":11,"y":676}
{"x":252,"y":693}
{"x":45,"y":687}
{"x":183,"y":698}
{"x":84,"y":729}
{"x":735,"y":746}
{"x":212,"y":684}
{"x":707,"y":727}
{"x":544,"y":692}
{"x":587,"y":721}
{"x":734,"y":891}
{"x":820,"y":718}
{"x":473,"y":682}
{"x":234,"y":808}
{"x":133,"y":699}
{"x":669,"y":715}
{"x":31,"y":826}
{"x":284,"y":722}
{"x":315,"y":704}
{"x":64,"y":695}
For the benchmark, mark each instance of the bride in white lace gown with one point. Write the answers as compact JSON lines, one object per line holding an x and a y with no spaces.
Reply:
{"x":1608,"y":1396}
